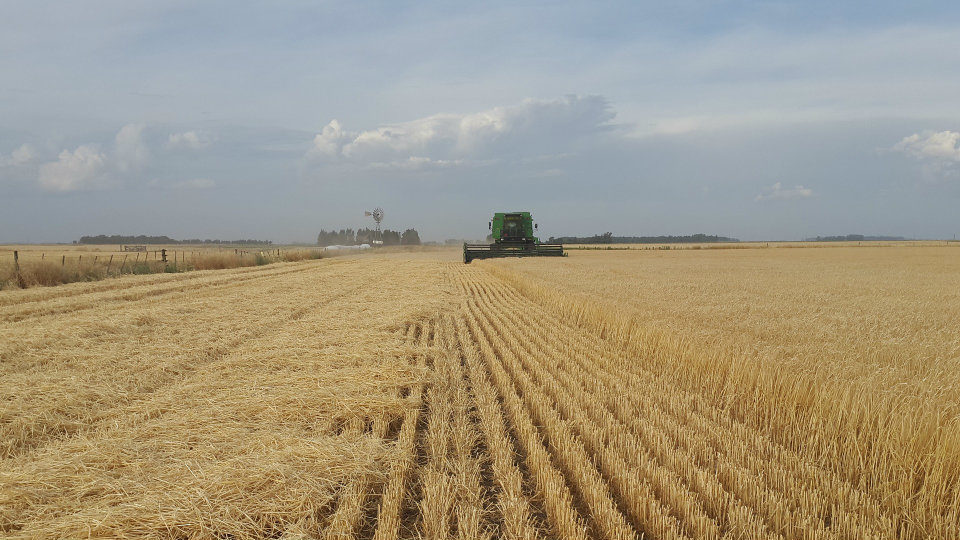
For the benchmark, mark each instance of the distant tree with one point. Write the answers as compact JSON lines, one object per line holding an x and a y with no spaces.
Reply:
{"x":855,"y":238}
{"x":368,"y":236}
{"x":364,"y":236}
{"x":344,"y":237}
{"x":391,"y":238}
{"x":143,"y":239}
{"x":608,"y":238}
{"x":410,"y":237}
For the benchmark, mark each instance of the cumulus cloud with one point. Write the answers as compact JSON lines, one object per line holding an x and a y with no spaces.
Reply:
{"x":942,"y":145}
{"x":939,"y":153}
{"x":330,"y":141}
{"x":190,"y":140}
{"x":84,"y":168}
{"x":19,"y":167}
{"x":23,"y":155}
{"x":128,"y":160}
{"x":530,"y":128}
{"x":132,"y":154}
{"x":88,"y":167}
{"x":777,"y":191}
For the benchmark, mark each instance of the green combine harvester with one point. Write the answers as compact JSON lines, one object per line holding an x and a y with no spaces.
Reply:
{"x":512,"y":234}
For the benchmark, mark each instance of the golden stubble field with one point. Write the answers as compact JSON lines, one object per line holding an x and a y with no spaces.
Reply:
{"x":742,"y":393}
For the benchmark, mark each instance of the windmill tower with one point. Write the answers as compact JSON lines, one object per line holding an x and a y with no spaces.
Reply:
{"x":377,"y":216}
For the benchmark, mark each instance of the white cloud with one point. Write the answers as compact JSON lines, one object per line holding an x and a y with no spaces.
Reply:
{"x":777,"y":191}
{"x":132,"y":154}
{"x":88,"y":167}
{"x":84,"y":168}
{"x":530,"y":128}
{"x":191,"y":140}
{"x":329,"y":142}
{"x":942,"y":145}
{"x":23,"y":155}
{"x":938,"y":153}
{"x":19,"y":167}
{"x":126,"y":161}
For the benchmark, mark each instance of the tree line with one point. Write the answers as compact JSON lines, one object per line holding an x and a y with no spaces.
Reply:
{"x":854,"y":238}
{"x":349,"y":237}
{"x":609,"y":238}
{"x":144,"y":239}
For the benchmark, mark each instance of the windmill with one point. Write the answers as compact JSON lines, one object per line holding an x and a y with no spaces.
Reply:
{"x":377,"y":215}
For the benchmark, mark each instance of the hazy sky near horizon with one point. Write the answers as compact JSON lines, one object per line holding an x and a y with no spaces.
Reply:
{"x":759,"y":120}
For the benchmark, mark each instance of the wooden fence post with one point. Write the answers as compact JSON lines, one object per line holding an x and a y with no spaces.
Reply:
{"x":163,"y":254}
{"x":63,"y":260}
{"x":16,"y":267}
{"x":109,"y":264}
{"x":123,"y":263}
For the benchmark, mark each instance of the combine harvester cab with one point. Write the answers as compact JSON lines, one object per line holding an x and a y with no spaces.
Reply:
{"x":512,"y":234}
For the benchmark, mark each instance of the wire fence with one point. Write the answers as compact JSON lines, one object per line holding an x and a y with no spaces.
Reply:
{"x":32,"y":267}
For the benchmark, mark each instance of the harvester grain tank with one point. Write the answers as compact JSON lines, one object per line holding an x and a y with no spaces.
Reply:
{"x":513,"y":236}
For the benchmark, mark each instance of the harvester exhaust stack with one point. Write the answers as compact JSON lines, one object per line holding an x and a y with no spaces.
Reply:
{"x":512,"y":234}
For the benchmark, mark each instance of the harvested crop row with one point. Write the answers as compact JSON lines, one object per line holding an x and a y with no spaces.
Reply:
{"x":820,"y":493}
{"x":565,"y":521}
{"x":396,"y":490}
{"x":659,"y":483}
{"x":260,"y":442}
{"x":513,"y":505}
{"x":695,"y":463}
{"x":451,"y":498}
{"x":845,"y":356}
{"x":603,"y":437}
{"x":568,"y":449}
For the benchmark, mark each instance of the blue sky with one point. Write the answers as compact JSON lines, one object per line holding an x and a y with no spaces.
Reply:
{"x":763,"y":120}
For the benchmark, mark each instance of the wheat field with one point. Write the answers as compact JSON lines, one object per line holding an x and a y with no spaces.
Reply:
{"x":26,"y":265}
{"x":742,"y":393}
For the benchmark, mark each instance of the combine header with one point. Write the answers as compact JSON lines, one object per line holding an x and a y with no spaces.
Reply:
{"x":512,"y":234}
